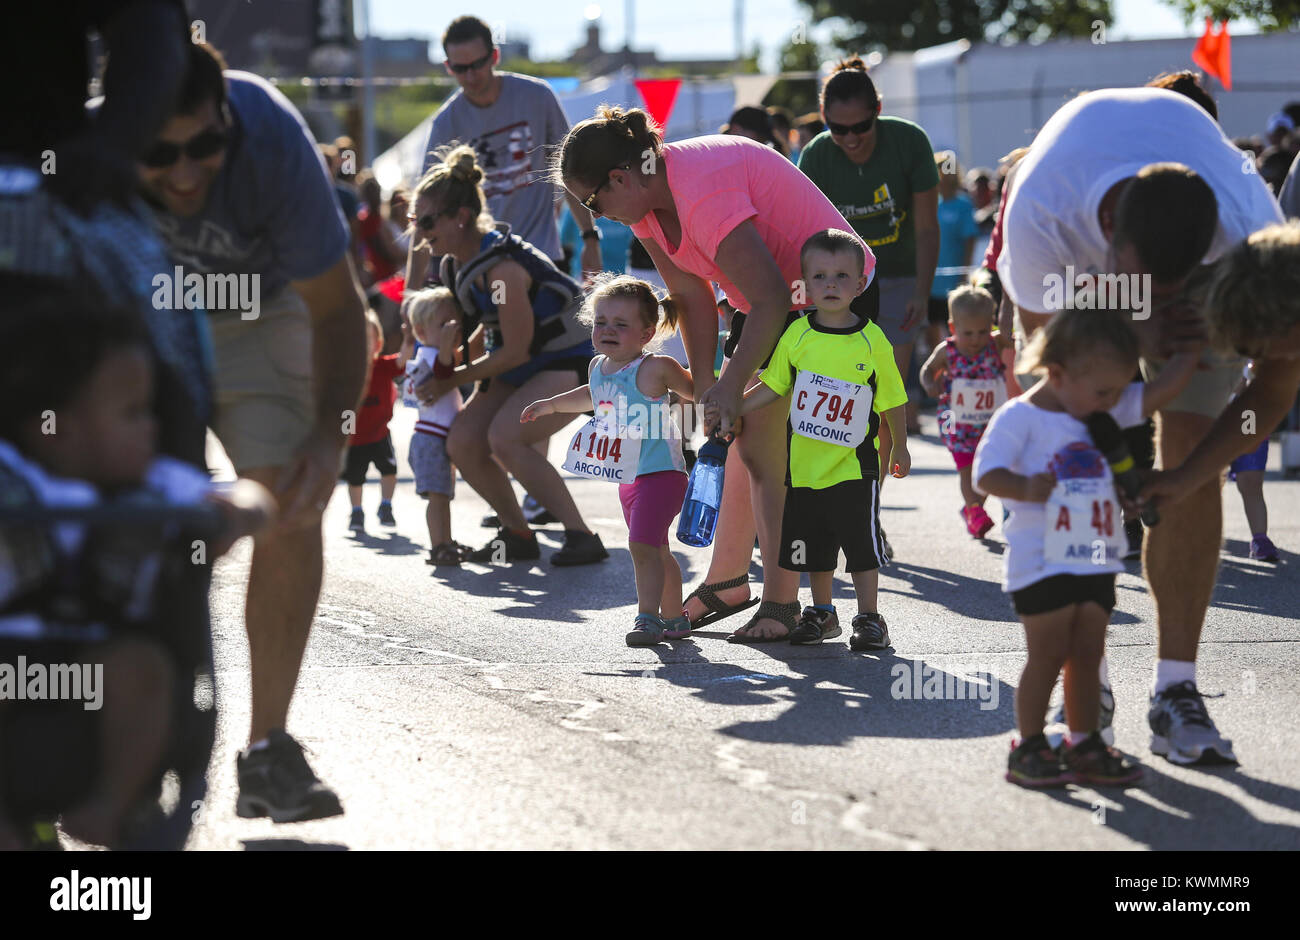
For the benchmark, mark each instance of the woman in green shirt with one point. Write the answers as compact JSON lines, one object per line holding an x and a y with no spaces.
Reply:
{"x":879,"y":172}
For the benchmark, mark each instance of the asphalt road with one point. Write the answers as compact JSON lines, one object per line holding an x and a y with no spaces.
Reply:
{"x":499,"y":707}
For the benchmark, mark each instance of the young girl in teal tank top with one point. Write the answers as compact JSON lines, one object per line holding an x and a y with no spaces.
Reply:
{"x":633,"y":439}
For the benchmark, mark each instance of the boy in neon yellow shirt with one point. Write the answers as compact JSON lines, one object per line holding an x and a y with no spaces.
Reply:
{"x":839,"y":370}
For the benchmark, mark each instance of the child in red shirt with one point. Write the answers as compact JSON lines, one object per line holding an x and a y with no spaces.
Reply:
{"x":371,"y":442}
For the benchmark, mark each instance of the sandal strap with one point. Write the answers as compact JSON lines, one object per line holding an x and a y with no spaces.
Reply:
{"x":785,"y":614}
{"x":706,"y":595}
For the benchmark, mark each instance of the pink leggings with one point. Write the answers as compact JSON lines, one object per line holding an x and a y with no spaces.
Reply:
{"x":650,"y":503}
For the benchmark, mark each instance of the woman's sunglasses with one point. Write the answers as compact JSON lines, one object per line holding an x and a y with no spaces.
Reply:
{"x":590,"y":202}
{"x":426,"y":222}
{"x":199,"y":147}
{"x":843,"y":130}
{"x":470,"y":66}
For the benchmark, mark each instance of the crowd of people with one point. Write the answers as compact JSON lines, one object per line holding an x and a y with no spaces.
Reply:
{"x":840,"y":255}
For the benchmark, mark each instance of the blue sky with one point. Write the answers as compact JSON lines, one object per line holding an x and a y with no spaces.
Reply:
{"x":684,"y":28}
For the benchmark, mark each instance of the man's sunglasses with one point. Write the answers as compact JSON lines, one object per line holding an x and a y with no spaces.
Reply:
{"x":843,"y":130}
{"x":590,"y":202}
{"x":471,"y":66}
{"x":199,"y":147}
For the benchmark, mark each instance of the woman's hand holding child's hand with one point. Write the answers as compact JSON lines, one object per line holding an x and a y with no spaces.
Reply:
{"x":535,"y":410}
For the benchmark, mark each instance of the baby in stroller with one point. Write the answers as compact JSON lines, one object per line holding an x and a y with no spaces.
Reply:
{"x":77,"y":429}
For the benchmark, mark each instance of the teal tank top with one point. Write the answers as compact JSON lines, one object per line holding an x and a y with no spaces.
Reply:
{"x":618,"y":400}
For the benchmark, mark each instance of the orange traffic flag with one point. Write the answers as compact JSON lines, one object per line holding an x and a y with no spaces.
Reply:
{"x":1213,"y":53}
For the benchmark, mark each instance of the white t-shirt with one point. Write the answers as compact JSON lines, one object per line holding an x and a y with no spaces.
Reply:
{"x":1026,"y":439}
{"x":1088,"y":146}
{"x":436,"y":418}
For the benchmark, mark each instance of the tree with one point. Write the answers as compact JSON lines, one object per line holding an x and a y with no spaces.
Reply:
{"x":1268,"y":15}
{"x":799,"y":54}
{"x":888,"y":25}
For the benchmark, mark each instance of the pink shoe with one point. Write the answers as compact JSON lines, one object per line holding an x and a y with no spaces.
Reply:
{"x":978,"y":522}
{"x":966,"y":518}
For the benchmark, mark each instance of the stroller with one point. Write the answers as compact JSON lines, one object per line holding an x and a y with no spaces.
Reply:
{"x":50,"y":751}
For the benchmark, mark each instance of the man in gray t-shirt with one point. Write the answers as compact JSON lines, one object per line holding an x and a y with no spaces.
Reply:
{"x":512,"y":122}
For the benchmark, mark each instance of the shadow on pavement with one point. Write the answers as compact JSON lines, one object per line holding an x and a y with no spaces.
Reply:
{"x":1248,"y":585}
{"x":970,"y":597}
{"x":1188,"y":811}
{"x":291,"y":845}
{"x":392,"y":544}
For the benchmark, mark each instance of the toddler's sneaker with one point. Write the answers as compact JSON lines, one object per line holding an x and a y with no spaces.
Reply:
{"x":978,"y":522}
{"x":677,"y":628}
{"x":814,"y":626}
{"x":869,"y":633}
{"x":1033,"y":764}
{"x":505,"y":548}
{"x":358,"y":521}
{"x":648,"y":631}
{"x":1092,"y":761}
{"x":580,"y":548}
{"x":386,"y":514}
{"x":1263,"y":549}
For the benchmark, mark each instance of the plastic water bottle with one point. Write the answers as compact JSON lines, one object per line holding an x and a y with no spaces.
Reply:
{"x":699,"y":516}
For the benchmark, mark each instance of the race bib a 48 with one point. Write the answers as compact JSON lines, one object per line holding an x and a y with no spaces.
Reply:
{"x":975,"y":400}
{"x":599,"y":453}
{"x":1084,"y":525}
{"x":830,"y":410}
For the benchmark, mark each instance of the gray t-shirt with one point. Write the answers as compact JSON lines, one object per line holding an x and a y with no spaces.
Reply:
{"x":271,"y":210}
{"x":513,"y":137}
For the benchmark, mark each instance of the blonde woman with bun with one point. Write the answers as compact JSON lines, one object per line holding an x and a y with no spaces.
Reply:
{"x":525,"y":309}
{"x":728,"y":210}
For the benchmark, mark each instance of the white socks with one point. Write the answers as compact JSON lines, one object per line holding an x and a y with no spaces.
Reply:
{"x":1171,"y":672}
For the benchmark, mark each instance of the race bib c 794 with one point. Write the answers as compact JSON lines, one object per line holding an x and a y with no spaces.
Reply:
{"x":599,"y":453}
{"x":975,"y":400}
{"x":1084,"y":525}
{"x":830,"y":410}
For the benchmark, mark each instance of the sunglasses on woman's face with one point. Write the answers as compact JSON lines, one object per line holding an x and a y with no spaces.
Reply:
{"x":426,"y":222}
{"x":470,"y":66}
{"x":843,"y":130}
{"x":202,"y":145}
{"x":590,"y":202}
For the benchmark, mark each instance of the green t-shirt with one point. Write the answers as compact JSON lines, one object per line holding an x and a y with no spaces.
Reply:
{"x":876,"y":197}
{"x":842,"y":380}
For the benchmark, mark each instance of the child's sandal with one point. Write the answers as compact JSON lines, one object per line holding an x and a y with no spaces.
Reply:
{"x":448,"y":553}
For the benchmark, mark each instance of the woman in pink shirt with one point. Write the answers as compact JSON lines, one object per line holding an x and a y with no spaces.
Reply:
{"x":718,"y":209}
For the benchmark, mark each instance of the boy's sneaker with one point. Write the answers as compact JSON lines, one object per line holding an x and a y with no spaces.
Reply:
{"x":814,"y":626}
{"x":277,"y":781}
{"x":386,"y":514}
{"x":1105,"y":718}
{"x":869,"y":633}
{"x":1133,"y":533}
{"x":1033,"y":764}
{"x":1182,"y":731}
{"x":580,"y":548}
{"x":647,"y":631}
{"x":358,"y":521}
{"x":1093,"y":761}
{"x":505,"y":548}
{"x":1263,"y":549}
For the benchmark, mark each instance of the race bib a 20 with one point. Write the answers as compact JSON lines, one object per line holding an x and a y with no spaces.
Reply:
{"x":975,"y":400}
{"x":830,"y":410}
{"x":599,"y":453}
{"x":1085,"y":526}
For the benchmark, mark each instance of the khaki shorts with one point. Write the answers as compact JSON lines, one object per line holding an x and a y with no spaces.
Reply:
{"x":895,"y":292}
{"x":1209,"y":392}
{"x":264,"y":399}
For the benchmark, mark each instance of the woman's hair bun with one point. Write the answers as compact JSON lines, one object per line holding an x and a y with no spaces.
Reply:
{"x":464,"y":165}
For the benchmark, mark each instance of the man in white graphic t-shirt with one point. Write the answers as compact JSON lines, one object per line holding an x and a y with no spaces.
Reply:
{"x":1142,"y":183}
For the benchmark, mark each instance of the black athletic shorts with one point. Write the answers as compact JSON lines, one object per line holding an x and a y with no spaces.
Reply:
{"x":359,"y":459}
{"x":1062,"y":590}
{"x":817,"y":524}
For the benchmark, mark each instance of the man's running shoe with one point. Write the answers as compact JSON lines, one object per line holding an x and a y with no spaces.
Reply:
{"x":814,"y":626}
{"x":580,"y":548}
{"x":1263,"y":549}
{"x":647,"y":631}
{"x":1133,"y":534}
{"x":869,"y":633}
{"x":1182,"y":731}
{"x":1105,"y":719}
{"x":277,"y":781}
{"x":507,"y":547}
{"x":386,"y":514}
{"x":1033,"y":764}
{"x":358,"y":520}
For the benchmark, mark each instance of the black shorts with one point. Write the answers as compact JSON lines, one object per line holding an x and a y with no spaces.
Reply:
{"x":1062,"y":590}
{"x":359,"y":459}
{"x":817,"y":524}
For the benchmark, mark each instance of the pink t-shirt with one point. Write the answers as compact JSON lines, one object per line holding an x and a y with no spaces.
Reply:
{"x":718,"y":182}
